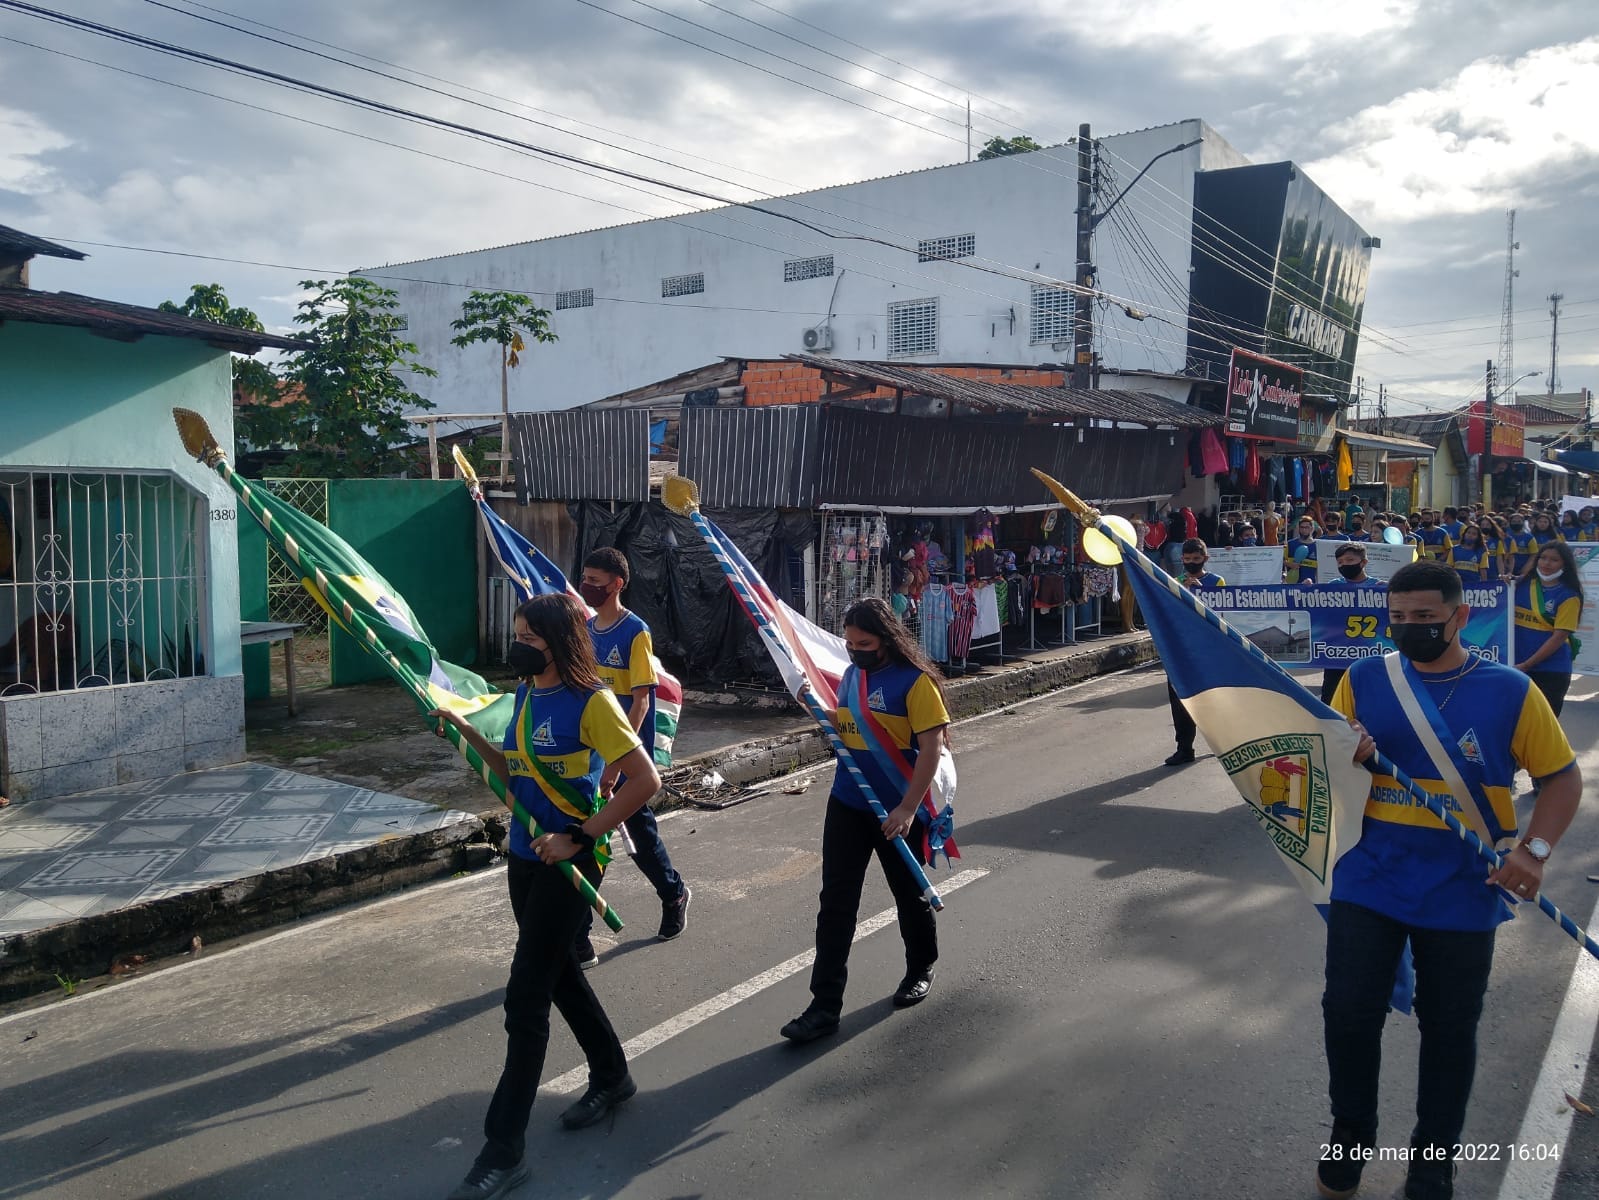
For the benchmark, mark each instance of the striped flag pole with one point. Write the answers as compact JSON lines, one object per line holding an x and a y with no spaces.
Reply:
{"x":682,"y":496}
{"x":198,"y":441}
{"x":1378,"y":763}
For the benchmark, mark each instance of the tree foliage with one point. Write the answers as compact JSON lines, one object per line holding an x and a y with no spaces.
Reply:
{"x":998,"y":147}
{"x":252,"y":378}
{"x":502,"y":319}
{"x":346,"y":406}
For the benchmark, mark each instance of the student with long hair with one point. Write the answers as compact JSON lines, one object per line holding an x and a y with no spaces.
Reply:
{"x":567,"y":728}
{"x":1548,"y":608}
{"x":1494,"y":547}
{"x":905,"y":700}
{"x":1468,"y":556}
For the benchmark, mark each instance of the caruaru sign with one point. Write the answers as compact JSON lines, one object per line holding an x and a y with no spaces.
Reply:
{"x":1321,"y":333}
{"x":1263,"y":398}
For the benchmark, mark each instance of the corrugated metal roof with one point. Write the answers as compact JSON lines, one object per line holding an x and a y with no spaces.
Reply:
{"x":582,"y":454}
{"x":27,"y":243}
{"x":129,"y":321}
{"x":1142,"y":408}
{"x":752,"y":457}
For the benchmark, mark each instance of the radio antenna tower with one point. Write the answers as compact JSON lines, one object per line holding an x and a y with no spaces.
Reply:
{"x":1507,"y":323}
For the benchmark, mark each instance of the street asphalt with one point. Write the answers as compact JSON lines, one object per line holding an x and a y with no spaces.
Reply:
{"x":1127,"y":1005}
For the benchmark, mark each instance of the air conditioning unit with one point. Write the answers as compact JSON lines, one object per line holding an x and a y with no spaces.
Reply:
{"x":819,"y":337}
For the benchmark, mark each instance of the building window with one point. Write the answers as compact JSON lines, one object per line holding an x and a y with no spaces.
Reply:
{"x":683,"y":285}
{"x":961,"y":245}
{"x":1053,"y":311}
{"x":796,"y":269}
{"x":913,"y":327}
{"x":581,"y":298}
{"x":101,"y":580}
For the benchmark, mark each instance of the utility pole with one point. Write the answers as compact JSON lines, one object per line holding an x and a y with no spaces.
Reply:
{"x":1507,"y":322}
{"x":1083,"y":324}
{"x":1382,"y":408}
{"x":968,"y":128}
{"x":1488,"y":442}
{"x":1554,"y":336}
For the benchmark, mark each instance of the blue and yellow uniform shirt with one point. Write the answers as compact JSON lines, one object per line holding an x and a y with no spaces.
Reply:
{"x":1435,"y":543}
{"x":1469,"y":563}
{"x":1299,"y":570}
{"x":1454,"y":529}
{"x":1408,"y":865}
{"x":1541,"y":609}
{"x":1588,"y":533}
{"x":1519,"y":546}
{"x":1493,"y":551}
{"x":906,"y":703}
{"x":575,"y":734}
{"x":626,"y":657}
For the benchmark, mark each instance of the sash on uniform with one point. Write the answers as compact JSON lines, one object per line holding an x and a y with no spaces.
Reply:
{"x":890,"y":759}
{"x":557,"y":791}
{"x":1535,"y":599}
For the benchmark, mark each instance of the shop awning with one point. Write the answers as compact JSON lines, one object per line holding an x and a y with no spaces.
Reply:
{"x":1580,"y":460}
{"x":1397,"y":447}
{"x":1552,"y":468}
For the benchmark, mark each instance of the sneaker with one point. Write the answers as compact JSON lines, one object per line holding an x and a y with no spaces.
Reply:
{"x":1429,"y":1178}
{"x":583,"y":948}
{"x":1180,"y":757}
{"x":674,"y":916}
{"x":486,"y":1183}
{"x":594,"y":1104}
{"x":1338,"y":1174}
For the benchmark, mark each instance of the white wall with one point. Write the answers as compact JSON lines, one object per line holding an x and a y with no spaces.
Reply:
{"x":1020,"y":208}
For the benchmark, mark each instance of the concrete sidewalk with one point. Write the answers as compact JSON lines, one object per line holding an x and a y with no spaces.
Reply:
{"x":364,"y":746}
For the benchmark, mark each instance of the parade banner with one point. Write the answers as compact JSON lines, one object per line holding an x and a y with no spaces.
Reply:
{"x":1334,"y":627}
{"x":1247,"y":565}
{"x":1587,"y":660}
{"x":1382,"y":559}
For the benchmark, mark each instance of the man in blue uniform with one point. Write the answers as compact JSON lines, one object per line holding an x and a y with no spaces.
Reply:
{"x":1195,"y":578}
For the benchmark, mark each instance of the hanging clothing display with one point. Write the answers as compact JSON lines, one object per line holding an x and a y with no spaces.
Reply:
{"x":986,"y":623}
{"x":963,"y":615}
{"x":936,"y":611}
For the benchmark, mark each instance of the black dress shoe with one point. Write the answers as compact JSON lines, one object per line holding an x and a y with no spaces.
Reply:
{"x":1180,"y":757}
{"x":913,"y":988}
{"x":596,"y":1102}
{"x":485,"y":1183}
{"x":810,"y":1025}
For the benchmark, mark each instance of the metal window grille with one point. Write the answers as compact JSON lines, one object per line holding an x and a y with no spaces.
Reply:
{"x":1053,"y":313}
{"x":102,"y":580}
{"x":960,"y":245}
{"x":286,"y":599}
{"x":796,"y":269}
{"x":913,"y":327}
{"x":580,"y":298}
{"x":683,"y":285}
{"x":854,"y":564}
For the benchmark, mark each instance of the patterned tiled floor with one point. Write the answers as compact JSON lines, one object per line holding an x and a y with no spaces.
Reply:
{"x":98,"y":851}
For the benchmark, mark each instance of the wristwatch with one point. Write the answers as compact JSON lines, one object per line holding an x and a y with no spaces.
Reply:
{"x":1538,"y":848}
{"x":579,"y":835}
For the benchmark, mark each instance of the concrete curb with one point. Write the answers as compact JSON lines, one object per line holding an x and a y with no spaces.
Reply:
{"x":30,"y":962}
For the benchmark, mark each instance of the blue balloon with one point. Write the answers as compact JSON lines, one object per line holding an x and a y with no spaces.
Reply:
{"x":1301,"y":553}
{"x":1392,"y":536}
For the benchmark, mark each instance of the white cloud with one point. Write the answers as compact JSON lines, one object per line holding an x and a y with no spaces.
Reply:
{"x":1488,"y":138}
{"x":23,"y":138}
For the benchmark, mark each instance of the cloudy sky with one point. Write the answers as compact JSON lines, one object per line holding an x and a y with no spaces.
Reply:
{"x":1426,"y":120}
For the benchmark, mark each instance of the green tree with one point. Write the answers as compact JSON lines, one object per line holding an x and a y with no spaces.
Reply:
{"x":347,"y":406}
{"x":999,"y":147}
{"x":502,"y":318}
{"x":252,"y":379}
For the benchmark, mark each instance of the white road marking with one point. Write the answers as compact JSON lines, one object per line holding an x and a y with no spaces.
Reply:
{"x":577,"y":1078}
{"x":1547,"y":1122}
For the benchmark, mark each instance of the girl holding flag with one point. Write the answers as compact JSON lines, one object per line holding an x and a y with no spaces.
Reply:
{"x":893,"y":722}
{"x":567,"y":728}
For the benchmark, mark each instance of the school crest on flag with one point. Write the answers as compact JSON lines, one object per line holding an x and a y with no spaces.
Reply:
{"x":1285,"y":782}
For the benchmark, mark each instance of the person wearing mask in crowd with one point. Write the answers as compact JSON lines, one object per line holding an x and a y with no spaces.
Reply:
{"x":1244,"y":535}
{"x":1299,"y":554}
{"x":1410,"y":879}
{"x":1357,"y":527}
{"x":1544,"y":531}
{"x":1570,"y":530}
{"x":907,"y":704}
{"x":1520,"y":549}
{"x":1493,"y":548}
{"x":1379,"y":522}
{"x":1195,"y":578}
{"x":1452,"y":524}
{"x":1469,"y":557}
{"x":1351,"y":561}
{"x":1548,"y":609}
{"x":1435,"y":543}
{"x":1406,"y":537}
{"x":567,"y":728}
{"x":1333,"y":526}
{"x":1587,"y":524}
{"x":626,"y":656}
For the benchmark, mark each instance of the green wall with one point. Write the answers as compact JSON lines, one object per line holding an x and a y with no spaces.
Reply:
{"x":253,"y":607}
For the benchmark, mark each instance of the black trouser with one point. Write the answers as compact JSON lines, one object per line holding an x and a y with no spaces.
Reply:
{"x":1553,"y":685}
{"x":1182,"y":724}
{"x":650,"y":856}
{"x":849,"y":838}
{"x":1330,"y":679}
{"x":1452,"y":968}
{"x":549,"y":913}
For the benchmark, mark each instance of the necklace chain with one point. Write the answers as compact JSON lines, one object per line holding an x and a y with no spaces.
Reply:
{"x":1455,"y":680}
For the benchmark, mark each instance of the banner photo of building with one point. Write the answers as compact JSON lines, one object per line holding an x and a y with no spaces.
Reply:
{"x":1263,"y":398}
{"x":1308,"y":627}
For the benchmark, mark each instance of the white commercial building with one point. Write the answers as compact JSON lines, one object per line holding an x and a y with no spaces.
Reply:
{"x":638,"y":303}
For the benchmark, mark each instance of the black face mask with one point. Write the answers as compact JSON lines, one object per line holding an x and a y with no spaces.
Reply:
{"x":1193,"y":568}
{"x":527,"y":661}
{"x":866,"y":660}
{"x":1422,"y":642}
{"x":1351,"y":570}
{"x":1356,"y":527}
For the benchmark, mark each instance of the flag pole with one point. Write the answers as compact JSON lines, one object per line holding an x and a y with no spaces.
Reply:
{"x":198,"y":441}
{"x":1378,"y":763}
{"x":682,"y":497}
